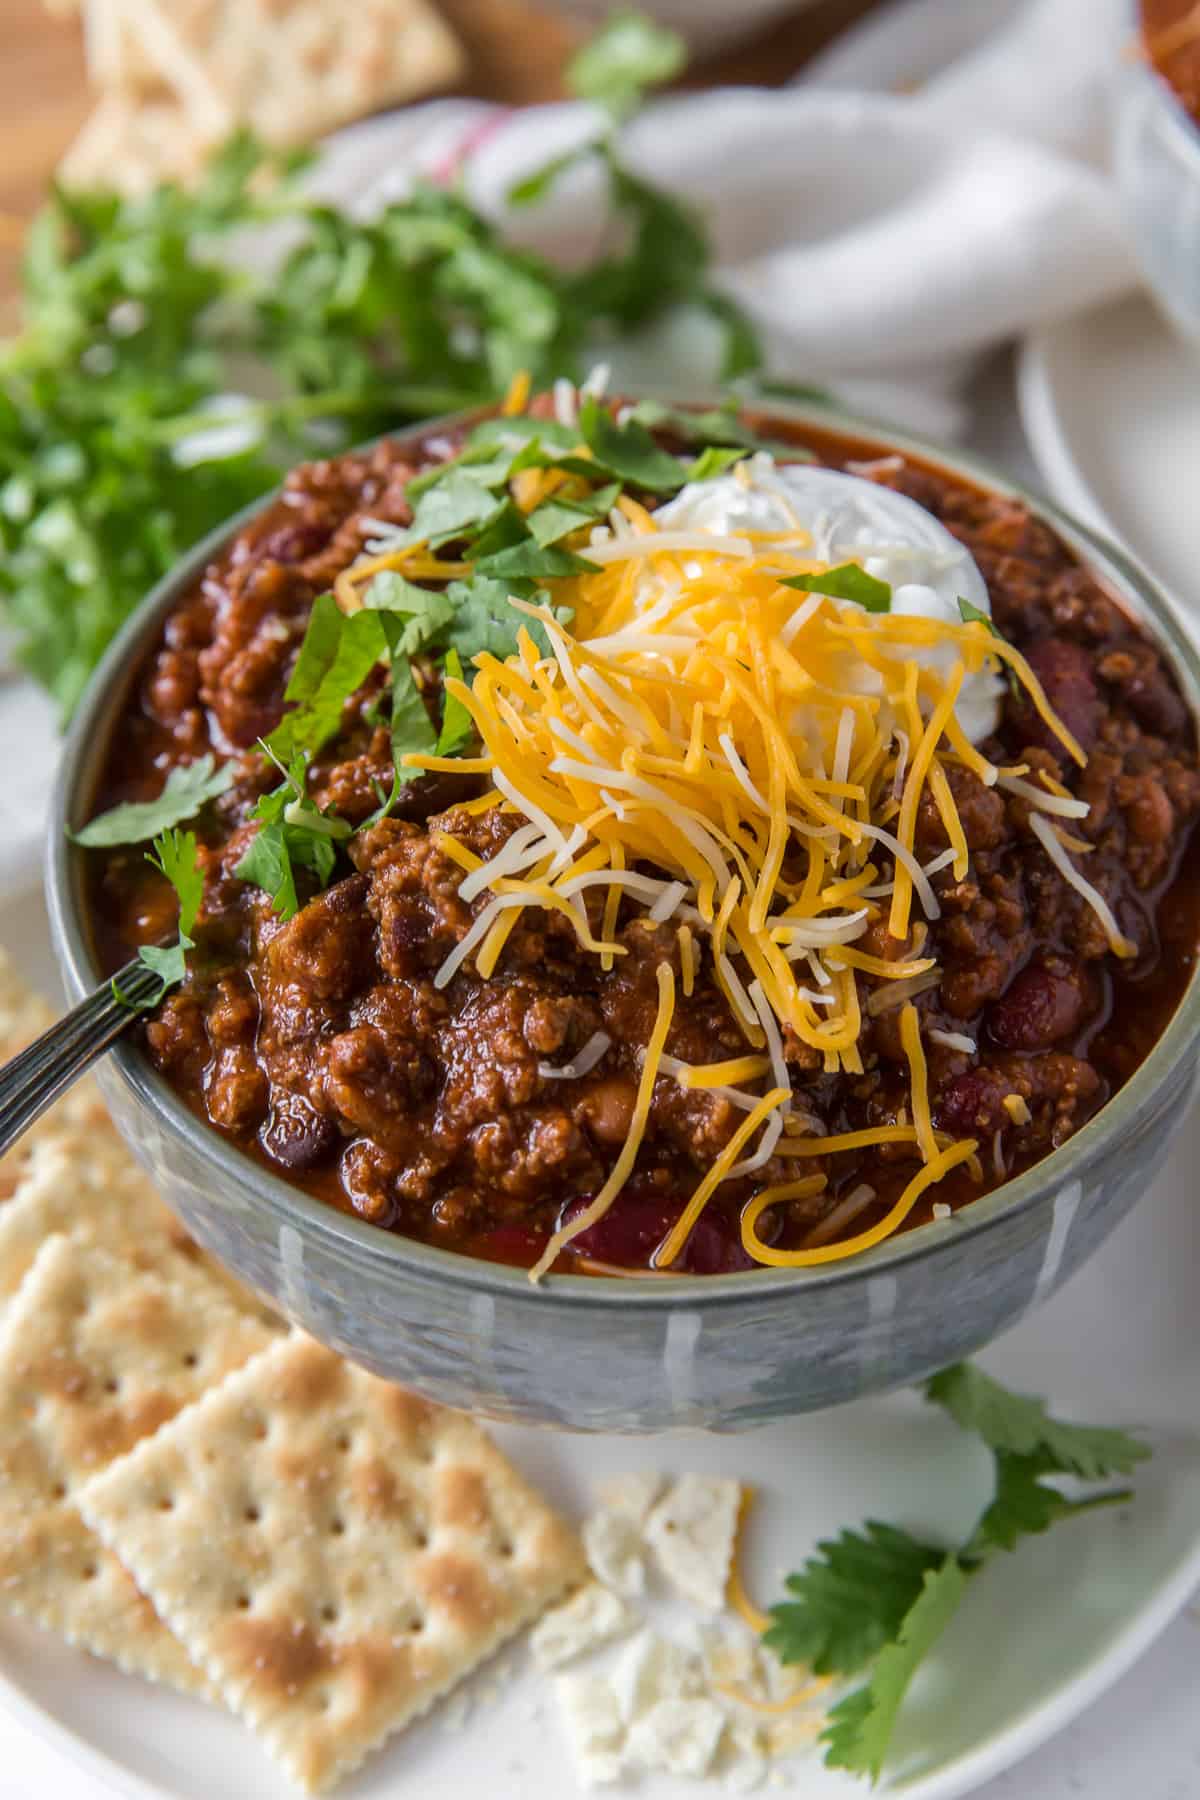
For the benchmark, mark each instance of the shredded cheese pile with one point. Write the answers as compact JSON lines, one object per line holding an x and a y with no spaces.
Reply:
{"x":744,"y":761}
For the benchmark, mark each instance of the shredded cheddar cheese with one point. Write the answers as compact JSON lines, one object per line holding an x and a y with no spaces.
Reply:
{"x":745,"y":762}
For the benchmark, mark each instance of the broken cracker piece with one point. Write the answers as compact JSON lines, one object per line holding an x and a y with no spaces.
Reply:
{"x":591,"y":1617}
{"x":338,"y":1554}
{"x":692,"y":1532}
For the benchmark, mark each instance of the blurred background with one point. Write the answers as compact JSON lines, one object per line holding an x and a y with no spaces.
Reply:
{"x":511,"y":51}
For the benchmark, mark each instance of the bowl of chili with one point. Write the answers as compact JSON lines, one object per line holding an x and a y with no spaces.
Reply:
{"x":526,"y":1111}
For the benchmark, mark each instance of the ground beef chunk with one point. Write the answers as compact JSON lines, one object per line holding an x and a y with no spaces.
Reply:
{"x":980,"y":811}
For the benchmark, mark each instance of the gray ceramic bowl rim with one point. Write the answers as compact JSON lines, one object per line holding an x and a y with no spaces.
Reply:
{"x":447,"y":1268}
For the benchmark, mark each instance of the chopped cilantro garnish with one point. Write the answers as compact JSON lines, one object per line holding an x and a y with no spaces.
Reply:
{"x":338,"y":653}
{"x":176,"y":855}
{"x":293,"y":833}
{"x":628,"y":451}
{"x":556,"y":518}
{"x":425,"y":611}
{"x":883,"y":1597}
{"x":847,"y":582}
{"x":457,"y":723}
{"x":974,"y":615}
{"x":455,"y":504}
{"x":485,"y":620}
{"x":716,"y":460}
{"x":412,"y":728}
{"x":713,"y":426}
{"x":188,"y":788}
{"x":531,"y":561}
{"x":628,"y":55}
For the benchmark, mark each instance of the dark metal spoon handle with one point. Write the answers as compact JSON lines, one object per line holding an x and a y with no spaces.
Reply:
{"x":33,"y":1081}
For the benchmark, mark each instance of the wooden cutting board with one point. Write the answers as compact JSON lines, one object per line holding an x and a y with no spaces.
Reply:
{"x":517,"y":51}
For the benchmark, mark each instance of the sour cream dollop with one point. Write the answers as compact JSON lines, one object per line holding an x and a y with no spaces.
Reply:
{"x":850,"y":519}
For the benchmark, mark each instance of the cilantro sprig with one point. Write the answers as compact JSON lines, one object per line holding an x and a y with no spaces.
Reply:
{"x":627,"y":56}
{"x":188,"y":788}
{"x":293,"y":834}
{"x":881,"y":1598}
{"x":175,"y":854}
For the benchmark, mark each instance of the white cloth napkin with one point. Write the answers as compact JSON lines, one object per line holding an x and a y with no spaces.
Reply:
{"x":881,"y":240}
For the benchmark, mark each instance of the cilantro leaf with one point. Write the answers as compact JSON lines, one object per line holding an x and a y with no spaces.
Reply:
{"x":851,"y":1598}
{"x":975,"y":615}
{"x":531,"y":561}
{"x":188,"y":787}
{"x":505,"y":531}
{"x":713,"y":425}
{"x":847,"y":582}
{"x":338,"y":653}
{"x":486,"y":621}
{"x":627,"y":56}
{"x":1024,"y":1505}
{"x":1020,"y":1425}
{"x":450,"y":507}
{"x":425,"y":611}
{"x":860,"y":1727}
{"x":628,"y":450}
{"x":714,"y":461}
{"x":293,"y":833}
{"x":555,"y":518}
{"x":457,"y":723}
{"x":412,"y":730}
{"x":176,"y":855}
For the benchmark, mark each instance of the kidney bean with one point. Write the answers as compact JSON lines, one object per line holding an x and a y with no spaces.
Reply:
{"x":972,"y":1103}
{"x":636,"y":1224}
{"x":1066,"y":673}
{"x":294,"y":1135}
{"x":1043,"y":1005}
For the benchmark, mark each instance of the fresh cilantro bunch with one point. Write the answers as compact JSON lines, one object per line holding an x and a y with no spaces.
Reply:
{"x":880,"y":1598}
{"x":144,"y":331}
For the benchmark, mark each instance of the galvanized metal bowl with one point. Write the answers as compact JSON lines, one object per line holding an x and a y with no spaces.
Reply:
{"x":591,"y":1354}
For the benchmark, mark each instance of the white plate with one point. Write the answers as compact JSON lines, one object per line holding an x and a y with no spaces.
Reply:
{"x":1110,"y":401}
{"x":1042,"y":1634}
